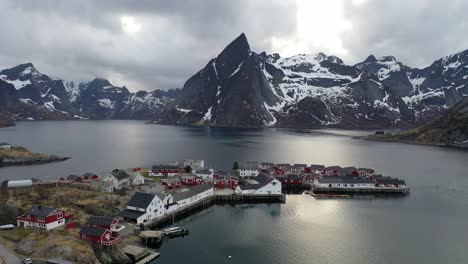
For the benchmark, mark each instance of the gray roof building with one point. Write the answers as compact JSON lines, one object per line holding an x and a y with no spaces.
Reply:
{"x":141,"y":200}
{"x":120,"y":174}
{"x":100,"y":220}
{"x":191,"y":192}
{"x":91,"y":231}
{"x":344,"y":180}
{"x":37,"y":210}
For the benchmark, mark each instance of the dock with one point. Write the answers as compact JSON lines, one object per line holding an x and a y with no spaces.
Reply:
{"x":388,"y":190}
{"x":185,"y":211}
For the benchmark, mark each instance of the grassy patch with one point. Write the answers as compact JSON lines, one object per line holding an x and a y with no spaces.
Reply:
{"x":16,"y":234}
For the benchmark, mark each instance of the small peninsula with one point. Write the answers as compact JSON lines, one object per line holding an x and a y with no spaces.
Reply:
{"x":11,"y":155}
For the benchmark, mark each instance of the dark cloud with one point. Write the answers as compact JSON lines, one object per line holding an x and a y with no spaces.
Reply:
{"x":416,"y":32}
{"x":79,"y":40}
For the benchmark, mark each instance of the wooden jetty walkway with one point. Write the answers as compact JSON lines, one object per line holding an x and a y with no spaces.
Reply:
{"x":185,"y":211}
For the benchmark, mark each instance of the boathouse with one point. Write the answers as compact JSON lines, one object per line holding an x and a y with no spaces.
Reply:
{"x":262,"y":184}
{"x":143,"y":207}
{"x":344,"y":182}
{"x":164,"y":170}
{"x":389,"y":182}
{"x":193,"y":194}
{"x":41,"y":217}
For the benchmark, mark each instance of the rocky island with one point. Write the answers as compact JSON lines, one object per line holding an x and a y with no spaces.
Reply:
{"x":16,"y":155}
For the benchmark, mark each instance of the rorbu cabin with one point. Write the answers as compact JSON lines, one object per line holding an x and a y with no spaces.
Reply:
{"x":332,"y":170}
{"x":42,"y":217}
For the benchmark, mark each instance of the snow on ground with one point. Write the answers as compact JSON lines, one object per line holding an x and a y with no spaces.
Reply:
{"x":208,"y":114}
{"x":18,"y":84}
{"x":106,"y":103}
{"x":72,"y":89}
{"x":183,"y":109}
{"x":236,"y":70}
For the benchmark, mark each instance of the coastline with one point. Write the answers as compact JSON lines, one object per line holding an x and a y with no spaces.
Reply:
{"x":33,"y":162}
{"x":391,"y":140}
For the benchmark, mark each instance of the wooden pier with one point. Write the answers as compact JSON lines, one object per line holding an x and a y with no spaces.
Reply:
{"x":376,"y":190}
{"x":185,"y":211}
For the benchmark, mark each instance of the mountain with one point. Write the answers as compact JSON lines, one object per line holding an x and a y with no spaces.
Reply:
{"x":240,"y":88}
{"x":25,"y":93}
{"x":450,"y":129}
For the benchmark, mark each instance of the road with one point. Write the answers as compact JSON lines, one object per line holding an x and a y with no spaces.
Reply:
{"x":6,"y":256}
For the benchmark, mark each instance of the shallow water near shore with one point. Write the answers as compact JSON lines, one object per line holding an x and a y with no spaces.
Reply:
{"x":428,"y":226}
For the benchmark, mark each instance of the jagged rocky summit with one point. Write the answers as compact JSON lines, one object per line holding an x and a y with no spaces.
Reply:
{"x":240,"y":88}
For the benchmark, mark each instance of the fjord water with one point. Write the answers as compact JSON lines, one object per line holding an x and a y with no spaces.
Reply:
{"x":428,"y":226}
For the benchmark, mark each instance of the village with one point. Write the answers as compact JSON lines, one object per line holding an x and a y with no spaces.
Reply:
{"x":156,"y":197}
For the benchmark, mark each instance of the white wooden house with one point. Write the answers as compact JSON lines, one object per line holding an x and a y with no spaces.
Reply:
{"x":262,"y":184}
{"x":143,"y":207}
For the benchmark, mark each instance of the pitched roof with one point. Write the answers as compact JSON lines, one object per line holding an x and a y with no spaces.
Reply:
{"x":161,"y":195}
{"x":344,"y":180}
{"x":100,"y":220}
{"x":388,"y":180}
{"x":120,"y":174}
{"x":91,"y":231}
{"x":141,"y":200}
{"x":316,"y":166}
{"x":333,"y":167}
{"x":249,"y":166}
{"x":203,"y":172}
{"x":171,"y":180}
{"x":73,"y":177}
{"x":38,"y":210}
{"x":300,"y":165}
{"x":132,"y":214}
{"x":192,"y":191}
{"x":256,"y":182}
{"x":165,"y":167}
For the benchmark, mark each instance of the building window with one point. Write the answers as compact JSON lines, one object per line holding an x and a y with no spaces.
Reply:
{"x":41,"y":219}
{"x":60,"y":215}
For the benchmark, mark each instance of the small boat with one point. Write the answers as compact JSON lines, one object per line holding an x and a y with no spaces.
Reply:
{"x":175,"y":231}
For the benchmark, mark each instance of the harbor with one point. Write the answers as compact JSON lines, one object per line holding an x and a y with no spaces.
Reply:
{"x":158,"y":197}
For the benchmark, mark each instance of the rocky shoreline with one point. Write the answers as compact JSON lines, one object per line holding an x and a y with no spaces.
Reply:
{"x":17,"y":156}
{"x":4,"y":123}
{"x":393,"y":140}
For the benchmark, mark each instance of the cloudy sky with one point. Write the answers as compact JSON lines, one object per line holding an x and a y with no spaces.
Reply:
{"x":149,"y":44}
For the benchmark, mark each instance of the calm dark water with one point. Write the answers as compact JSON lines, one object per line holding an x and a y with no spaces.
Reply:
{"x":428,"y":226}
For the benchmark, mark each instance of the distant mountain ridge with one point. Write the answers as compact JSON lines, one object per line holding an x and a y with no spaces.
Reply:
{"x":27,"y":94}
{"x":240,"y":88}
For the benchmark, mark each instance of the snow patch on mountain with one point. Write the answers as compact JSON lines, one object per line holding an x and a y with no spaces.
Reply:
{"x":18,"y":84}
{"x":106,"y":103}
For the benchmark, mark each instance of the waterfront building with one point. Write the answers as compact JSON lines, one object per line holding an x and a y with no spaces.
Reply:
{"x":332,"y":170}
{"x":171,"y":183}
{"x":249,"y":169}
{"x":119,"y":179}
{"x":41,"y":217}
{"x":193,"y":194}
{"x":298,"y":168}
{"x":344,"y":182}
{"x":285,"y":167}
{"x":204,"y":174}
{"x":351,"y":171}
{"x":90,"y":176}
{"x":261,"y":184}
{"x":365,"y":172}
{"x":143,"y":207}
{"x":189,"y":179}
{"x":165,"y":170}
{"x":389,"y":182}
{"x":266,"y":165}
{"x":289,"y":179}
